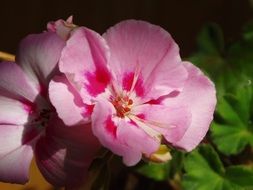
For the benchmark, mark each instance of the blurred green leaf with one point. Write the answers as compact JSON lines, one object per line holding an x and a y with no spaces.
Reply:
{"x":99,"y":172}
{"x":204,"y":171}
{"x":155,"y":171}
{"x":233,"y":129}
{"x":248,"y":32}
{"x":240,"y":175}
{"x":210,"y":39}
{"x":162,"y":171}
{"x":239,"y":54}
{"x":240,"y":57}
{"x":210,"y":44}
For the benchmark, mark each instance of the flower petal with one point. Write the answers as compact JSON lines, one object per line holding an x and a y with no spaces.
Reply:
{"x":146,"y":54}
{"x":131,"y":134}
{"x":38,"y":55}
{"x":14,"y":83}
{"x":15,"y":157}
{"x":119,"y":135}
{"x":171,"y":122}
{"x":62,"y":27}
{"x":199,"y":96}
{"x":65,"y":154}
{"x":67,"y":101}
{"x":84,"y":60}
{"x":13,"y":111}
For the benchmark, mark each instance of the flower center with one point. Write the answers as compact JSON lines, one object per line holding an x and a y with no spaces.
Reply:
{"x":43,"y":117}
{"x":122,"y":105}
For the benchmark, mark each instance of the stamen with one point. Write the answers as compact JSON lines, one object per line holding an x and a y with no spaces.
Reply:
{"x":148,"y":129}
{"x":127,"y":109}
{"x":122,"y":105}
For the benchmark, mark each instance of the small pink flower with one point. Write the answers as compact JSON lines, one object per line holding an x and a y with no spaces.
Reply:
{"x":29,"y":124}
{"x":134,"y":87}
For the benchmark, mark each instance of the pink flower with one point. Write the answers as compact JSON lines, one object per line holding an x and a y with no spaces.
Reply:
{"x":134,"y":87}
{"x":29,"y":124}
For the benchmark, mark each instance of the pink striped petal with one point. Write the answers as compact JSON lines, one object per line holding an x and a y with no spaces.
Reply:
{"x":38,"y":55}
{"x":68,"y":102}
{"x":200,"y":97}
{"x":13,"y":111}
{"x":84,"y":59}
{"x":146,"y":54}
{"x":170,"y":121}
{"x":135,"y":137}
{"x":65,"y":154}
{"x":14,"y":83}
{"x":15,"y":157}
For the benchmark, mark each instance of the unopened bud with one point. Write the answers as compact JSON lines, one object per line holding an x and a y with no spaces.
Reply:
{"x":161,"y":155}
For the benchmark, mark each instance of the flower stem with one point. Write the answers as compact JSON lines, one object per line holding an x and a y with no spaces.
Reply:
{"x":6,"y":56}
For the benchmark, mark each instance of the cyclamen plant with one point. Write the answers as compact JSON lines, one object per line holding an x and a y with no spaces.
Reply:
{"x":127,"y":89}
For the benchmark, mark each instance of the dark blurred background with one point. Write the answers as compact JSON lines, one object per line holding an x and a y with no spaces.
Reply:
{"x":182,"y":18}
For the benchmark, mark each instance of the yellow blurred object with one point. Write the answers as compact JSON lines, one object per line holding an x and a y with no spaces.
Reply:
{"x":6,"y":56}
{"x":36,"y":182}
{"x":161,"y":155}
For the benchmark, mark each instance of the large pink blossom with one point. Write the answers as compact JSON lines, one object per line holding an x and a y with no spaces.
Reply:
{"x":29,"y":124}
{"x":134,"y":87}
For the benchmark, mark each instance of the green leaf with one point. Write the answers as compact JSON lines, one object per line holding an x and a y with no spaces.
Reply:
{"x":155,"y":171}
{"x":210,"y":39}
{"x":227,"y":113}
{"x":204,"y":171}
{"x":230,"y":139}
{"x":240,"y":175}
{"x":248,"y":32}
{"x":233,"y":129}
{"x":200,"y":174}
{"x":239,"y":55}
{"x":210,"y":44}
{"x":212,"y":64}
{"x":99,"y":172}
{"x":162,"y":171}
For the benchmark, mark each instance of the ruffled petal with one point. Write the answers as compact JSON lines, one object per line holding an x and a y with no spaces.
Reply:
{"x":199,"y":96}
{"x":15,"y":156}
{"x":169,"y":121}
{"x":68,"y":102}
{"x":145,"y":58}
{"x":65,"y":154}
{"x":84,"y":61}
{"x":38,"y":55}
{"x":119,"y":135}
{"x":14,"y":83}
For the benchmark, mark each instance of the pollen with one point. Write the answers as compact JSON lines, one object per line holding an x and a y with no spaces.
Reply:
{"x":122,"y":105}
